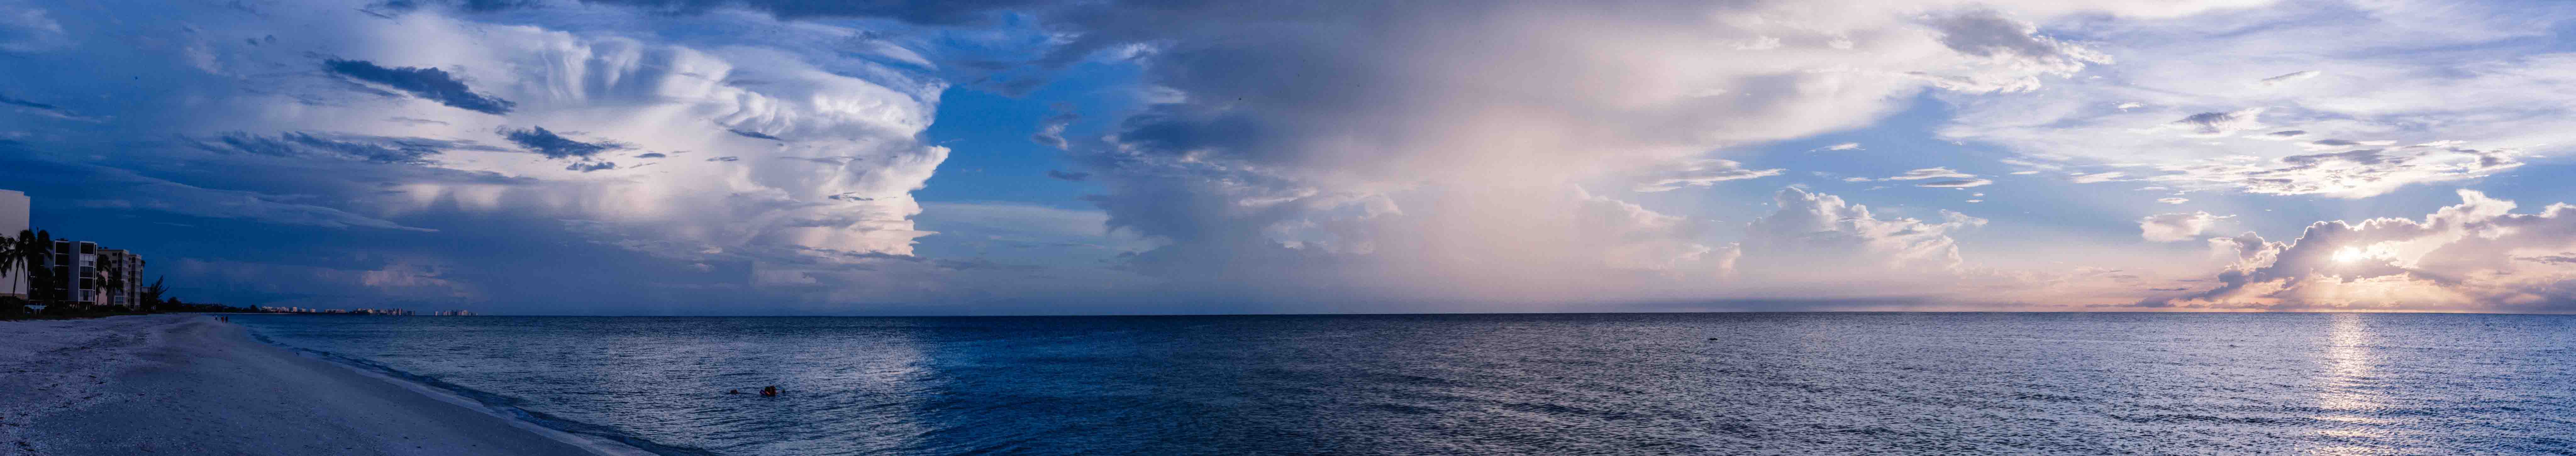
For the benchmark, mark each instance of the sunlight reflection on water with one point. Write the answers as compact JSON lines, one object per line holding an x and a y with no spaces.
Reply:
{"x":1598,"y":384}
{"x":2346,"y":385}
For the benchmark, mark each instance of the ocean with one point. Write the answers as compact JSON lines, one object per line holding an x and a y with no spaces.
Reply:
{"x":1539,"y":384}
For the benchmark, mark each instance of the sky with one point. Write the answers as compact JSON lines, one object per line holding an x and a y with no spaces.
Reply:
{"x":777,"y":157}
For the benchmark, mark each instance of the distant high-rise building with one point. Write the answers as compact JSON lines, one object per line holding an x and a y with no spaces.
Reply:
{"x":129,"y":291}
{"x":13,"y":219}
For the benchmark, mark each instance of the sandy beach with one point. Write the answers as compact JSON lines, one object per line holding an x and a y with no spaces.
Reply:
{"x":188,"y":384}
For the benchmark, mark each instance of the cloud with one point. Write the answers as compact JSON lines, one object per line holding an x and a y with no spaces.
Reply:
{"x":928,"y":13}
{"x":1051,"y":130}
{"x":2219,"y":124}
{"x":1400,"y":162}
{"x":1068,"y":176}
{"x":1843,"y":146}
{"x":2468,"y":75}
{"x":547,"y":143}
{"x":1294,"y":171}
{"x":106,"y":188}
{"x":1949,"y":178}
{"x":752,"y":134}
{"x":340,"y":146}
{"x":2176,"y":226}
{"x":2459,"y":258}
{"x":2332,"y":144}
{"x":2099,"y":177}
{"x":2276,"y":81}
{"x":2173,"y":200}
{"x":1956,"y":183}
{"x":650,"y":155}
{"x":42,"y":109}
{"x":2354,"y":174}
{"x":1823,"y":236}
{"x":1931,"y":173}
{"x":318,"y":127}
{"x":2005,"y":41}
{"x":1702,"y":173}
{"x":27,"y":29}
{"x":430,"y":83}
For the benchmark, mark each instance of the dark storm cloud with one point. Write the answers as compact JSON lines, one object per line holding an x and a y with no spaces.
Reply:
{"x":430,"y":83}
{"x":42,"y":108}
{"x":929,"y":12}
{"x":5,"y":99}
{"x":551,"y":145}
{"x":381,"y":149}
{"x":412,"y":121}
{"x":475,"y":6}
{"x":1174,"y":129}
{"x":104,"y":188}
{"x":926,"y":12}
{"x":1070,"y":176}
{"x":754,"y":134}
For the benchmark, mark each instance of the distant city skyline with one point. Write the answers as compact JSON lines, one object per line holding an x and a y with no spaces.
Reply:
{"x":686,"y":157}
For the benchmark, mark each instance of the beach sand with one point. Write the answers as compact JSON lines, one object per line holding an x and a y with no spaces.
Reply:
{"x":187,"y":384}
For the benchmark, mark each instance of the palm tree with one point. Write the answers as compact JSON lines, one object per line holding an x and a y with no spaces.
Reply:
{"x":36,"y":252}
{"x":111,"y":278}
{"x":23,"y":250}
{"x":150,"y":297}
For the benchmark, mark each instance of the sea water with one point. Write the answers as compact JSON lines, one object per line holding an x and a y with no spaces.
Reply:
{"x":1553,"y":384}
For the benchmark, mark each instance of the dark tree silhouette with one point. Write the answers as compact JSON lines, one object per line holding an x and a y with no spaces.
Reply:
{"x":151,"y":295}
{"x":111,"y":278}
{"x":42,"y":282}
{"x":21,"y":250}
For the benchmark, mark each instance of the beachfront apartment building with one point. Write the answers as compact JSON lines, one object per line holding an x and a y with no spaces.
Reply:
{"x":127,"y":292}
{"x":79,"y":269}
{"x":75,"y":263}
{"x":13,"y":219}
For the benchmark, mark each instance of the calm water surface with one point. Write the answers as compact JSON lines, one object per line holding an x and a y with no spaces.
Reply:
{"x":1607,"y":384}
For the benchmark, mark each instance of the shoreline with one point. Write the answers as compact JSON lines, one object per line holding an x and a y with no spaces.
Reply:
{"x":187,"y":384}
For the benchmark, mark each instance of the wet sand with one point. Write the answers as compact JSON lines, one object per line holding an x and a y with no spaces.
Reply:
{"x":188,"y":384}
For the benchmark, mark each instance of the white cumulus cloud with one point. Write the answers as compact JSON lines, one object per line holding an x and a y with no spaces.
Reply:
{"x":2176,"y":226}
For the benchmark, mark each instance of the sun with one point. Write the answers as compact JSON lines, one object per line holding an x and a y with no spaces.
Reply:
{"x":2349,"y":254}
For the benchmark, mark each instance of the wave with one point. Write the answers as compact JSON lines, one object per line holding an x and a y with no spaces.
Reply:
{"x":600,"y":438}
